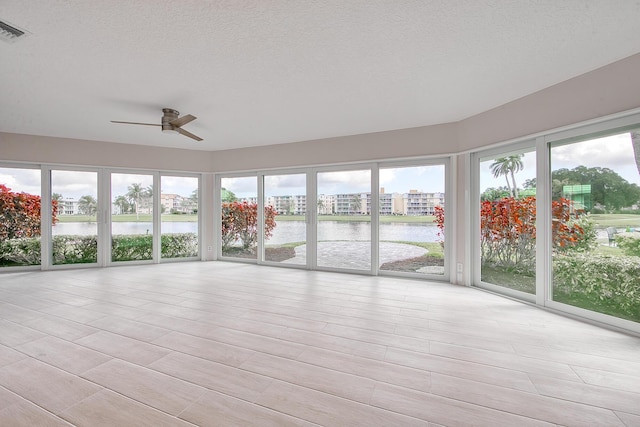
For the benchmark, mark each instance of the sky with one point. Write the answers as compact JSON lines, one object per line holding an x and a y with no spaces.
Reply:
{"x":614,"y":152}
{"x":400,"y":180}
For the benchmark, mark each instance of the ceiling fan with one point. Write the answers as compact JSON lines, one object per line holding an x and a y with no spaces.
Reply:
{"x":170,"y":123}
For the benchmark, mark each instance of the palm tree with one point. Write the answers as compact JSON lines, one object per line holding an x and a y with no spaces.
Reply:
{"x":320,"y":206}
{"x":508,"y":166}
{"x":122,"y":203}
{"x":88,"y":205}
{"x":135,"y":193}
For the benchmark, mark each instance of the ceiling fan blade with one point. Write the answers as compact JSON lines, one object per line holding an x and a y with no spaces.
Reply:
{"x":181,"y":121}
{"x":189,"y":134}
{"x":136,"y":123}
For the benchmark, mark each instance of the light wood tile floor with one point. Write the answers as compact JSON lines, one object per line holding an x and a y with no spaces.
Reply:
{"x":230,"y":344}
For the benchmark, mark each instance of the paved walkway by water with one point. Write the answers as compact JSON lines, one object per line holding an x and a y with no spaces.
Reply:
{"x":356,"y":255}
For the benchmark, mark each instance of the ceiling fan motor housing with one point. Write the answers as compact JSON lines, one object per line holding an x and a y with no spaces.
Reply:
{"x":169,"y":115}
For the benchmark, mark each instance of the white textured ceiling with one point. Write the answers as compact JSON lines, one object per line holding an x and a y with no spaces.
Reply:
{"x":266,"y":72}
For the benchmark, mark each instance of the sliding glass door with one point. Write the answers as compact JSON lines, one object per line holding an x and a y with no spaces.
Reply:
{"x":285,"y":213}
{"x":595,"y":245}
{"x":75,"y":232}
{"x":179,"y":216}
{"x":239,"y":217}
{"x":411,"y":219}
{"x":344,"y":219}
{"x":131,"y":217}
{"x":507,"y":220}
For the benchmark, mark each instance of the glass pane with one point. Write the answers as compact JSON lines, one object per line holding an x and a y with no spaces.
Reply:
{"x":412,"y":219}
{"x":596,"y":224}
{"x":344,"y":219}
{"x":131,"y":217}
{"x":20,"y":217}
{"x":508,"y":221}
{"x":75,"y":235}
{"x":285,"y":228}
{"x":179,"y":226}
{"x":239,"y":217}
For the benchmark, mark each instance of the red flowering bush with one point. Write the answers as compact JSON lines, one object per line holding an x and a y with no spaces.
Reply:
{"x":20,"y":214}
{"x":508,"y":231}
{"x":240,"y":222}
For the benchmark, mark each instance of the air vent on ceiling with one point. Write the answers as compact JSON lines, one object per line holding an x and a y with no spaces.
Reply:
{"x":10,"y":33}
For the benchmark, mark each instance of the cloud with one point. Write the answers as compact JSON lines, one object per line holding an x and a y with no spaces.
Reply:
{"x":614,"y":152}
{"x":344,"y":182}
{"x":21,"y":180}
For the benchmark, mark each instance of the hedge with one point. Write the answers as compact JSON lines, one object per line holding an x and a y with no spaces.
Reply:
{"x":612,"y":278}
{"x":72,"y":249}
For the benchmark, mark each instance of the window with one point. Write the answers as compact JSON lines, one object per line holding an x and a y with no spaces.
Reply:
{"x":411,"y":222}
{"x":285,"y":213}
{"x":239,"y":210}
{"x":20,"y":225}
{"x":75,"y":232}
{"x":131,"y":217}
{"x":344,"y":219}
{"x":595,"y":245}
{"x":179,"y":216}
{"x":506,"y":221}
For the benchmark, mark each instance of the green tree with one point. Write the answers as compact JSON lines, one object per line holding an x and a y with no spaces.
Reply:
{"x":56,"y":197}
{"x":122,"y":203}
{"x":608,"y":189}
{"x":493,"y":193}
{"x":88,"y":205}
{"x":508,"y":166}
{"x":135,"y":193}
{"x":228,"y":196}
{"x":320,"y":206}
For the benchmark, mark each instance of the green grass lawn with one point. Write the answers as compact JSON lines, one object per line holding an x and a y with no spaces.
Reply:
{"x":615,"y":220}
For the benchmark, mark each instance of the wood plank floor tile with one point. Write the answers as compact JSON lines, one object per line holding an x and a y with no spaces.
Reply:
{"x":9,"y":355}
{"x":63,"y":354}
{"x":129,"y":328}
{"x":504,"y":360}
{"x":323,"y":379}
{"x":369,"y":368}
{"x":46,"y":386}
{"x":108,"y":409}
{"x":462,"y":369}
{"x":608,"y":379}
{"x":215,"y":376}
{"x":12,"y":334}
{"x":124,"y":348}
{"x":205,"y":348}
{"x":26,"y":414}
{"x":168,"y":394}
{"x":218,"y":410}
{"x":449,"y":412}
{"x":59,"y":327}
{"x":328,"y":410}
{"x":629,"y":420}
{"x":531,"y":405}
{"x":594,"y":395}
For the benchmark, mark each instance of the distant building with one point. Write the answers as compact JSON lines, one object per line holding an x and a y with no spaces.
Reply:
{"x":419,"y":203}
{"x":68,"y":206}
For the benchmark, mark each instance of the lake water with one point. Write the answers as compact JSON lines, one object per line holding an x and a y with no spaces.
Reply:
{"x":285,"y":231}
